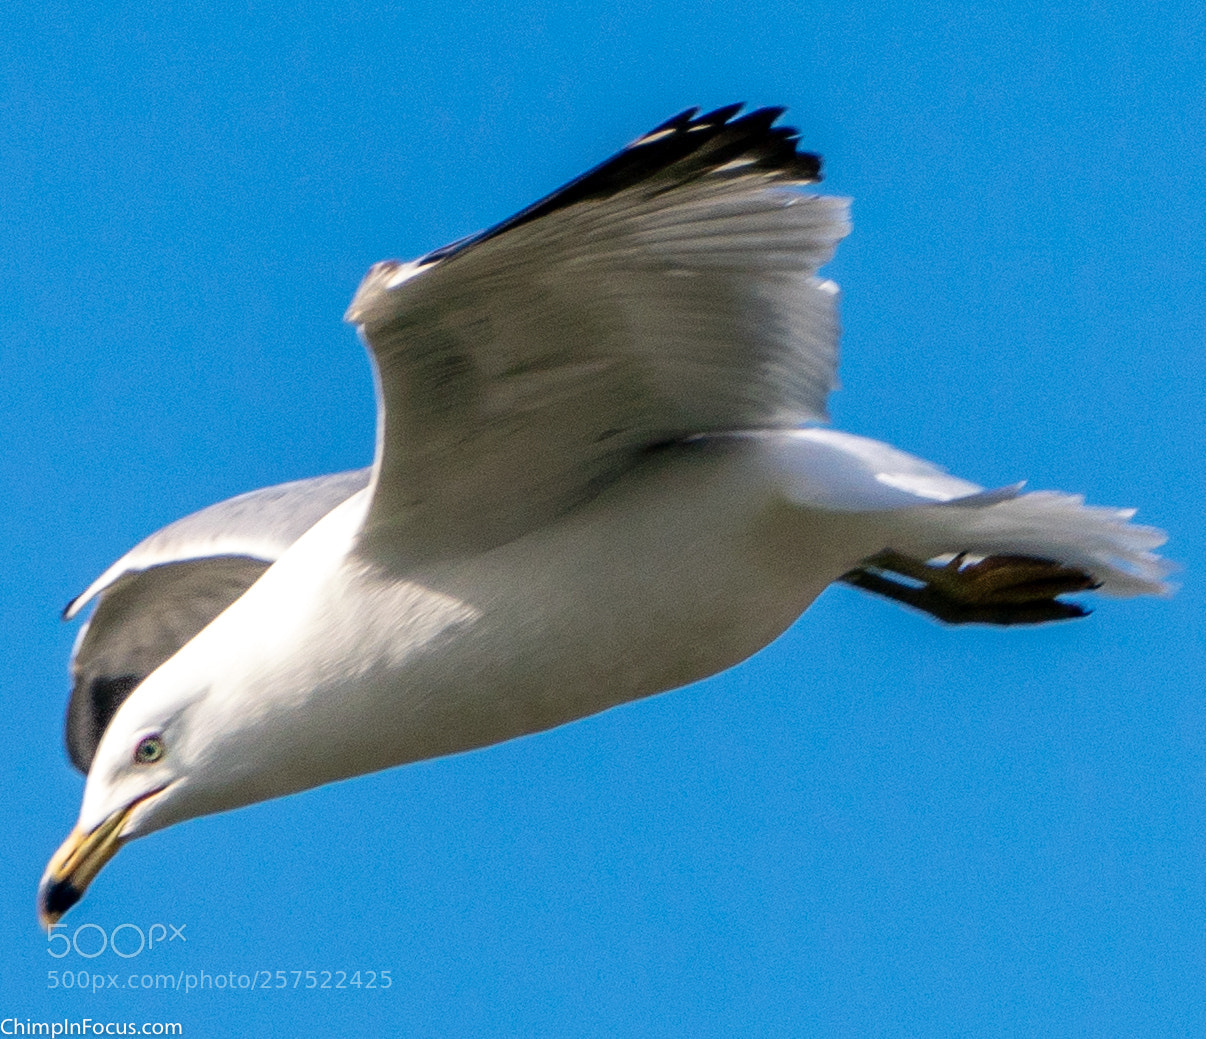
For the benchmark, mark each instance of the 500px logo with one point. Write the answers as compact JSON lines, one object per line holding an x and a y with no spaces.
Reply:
{"x":125,"y":940}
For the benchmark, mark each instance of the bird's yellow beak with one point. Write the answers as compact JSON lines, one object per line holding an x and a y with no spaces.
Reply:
{"x":80,"y":858}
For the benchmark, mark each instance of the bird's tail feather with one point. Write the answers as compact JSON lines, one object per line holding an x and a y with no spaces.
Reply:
{"x":1102,"y":542}
{"x":913,"y":507}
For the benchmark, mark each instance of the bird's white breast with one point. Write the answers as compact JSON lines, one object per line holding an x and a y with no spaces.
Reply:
{"x":334,"y":664}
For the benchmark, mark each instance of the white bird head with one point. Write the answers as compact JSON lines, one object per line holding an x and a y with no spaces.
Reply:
{"x":283,"y":691}
{"x":157,"y":764}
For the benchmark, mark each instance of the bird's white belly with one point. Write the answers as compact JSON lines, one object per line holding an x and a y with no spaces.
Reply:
{"x":332,"y":667}
{"x":684,"y":569}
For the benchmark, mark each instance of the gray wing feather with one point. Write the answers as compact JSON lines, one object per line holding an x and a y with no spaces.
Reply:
{"x":170,"y":586}
{"x":259,"y":524}
{"x":669,"y":293}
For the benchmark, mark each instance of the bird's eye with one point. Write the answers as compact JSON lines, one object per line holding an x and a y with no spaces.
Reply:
{"x":149,"y":750}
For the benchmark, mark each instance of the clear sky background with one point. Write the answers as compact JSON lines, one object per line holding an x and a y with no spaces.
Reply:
{"x":876,"y":827}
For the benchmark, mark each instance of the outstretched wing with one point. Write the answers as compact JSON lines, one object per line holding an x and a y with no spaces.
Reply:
{"x":667,"y":293}
{"x":170,"y":586}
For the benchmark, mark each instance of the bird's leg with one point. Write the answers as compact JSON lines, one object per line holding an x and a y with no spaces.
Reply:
{"x":999,"y":590}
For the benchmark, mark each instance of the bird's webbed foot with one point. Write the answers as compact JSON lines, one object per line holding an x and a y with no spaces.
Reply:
{"x":1000,"y":590}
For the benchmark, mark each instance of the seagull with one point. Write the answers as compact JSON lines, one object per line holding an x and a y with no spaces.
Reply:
{"x":600,"y":474}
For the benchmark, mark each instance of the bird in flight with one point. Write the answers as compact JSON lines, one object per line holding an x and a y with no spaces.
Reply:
{"x":599,"y":474}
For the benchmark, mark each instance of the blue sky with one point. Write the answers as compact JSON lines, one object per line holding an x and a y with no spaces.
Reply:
{"x":877,"y":827}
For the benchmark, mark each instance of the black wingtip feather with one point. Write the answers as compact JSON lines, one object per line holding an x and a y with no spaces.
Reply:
{"x":686,"y":147}
{"x":721,"y":115}
{"x":673,"y":123}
